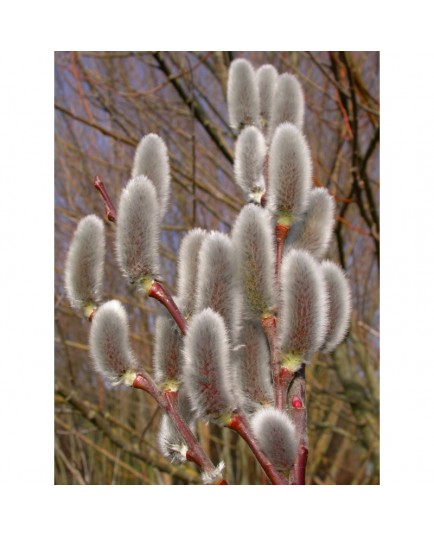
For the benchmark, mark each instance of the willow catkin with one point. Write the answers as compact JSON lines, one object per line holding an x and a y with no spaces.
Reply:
{"x":243,"y":94}
{"x":276,"y":436}
{"x":84,"y":267}
{"x":109,"y":344}
{"x":290,"y":172}
{"x":151,"y":160}
{"x":304,"y":305}
{"x":314,"y":231}
{"x":266,"y":77}
{"x":250,"y":152}
{"x":188,"y":262}
{"x":288,"y":103}
{"x":339,"y":304}
{"x":206,"y":371}
{"x":254,"y":252}
{"x":215,"y":278}
{"x":137,"y":230}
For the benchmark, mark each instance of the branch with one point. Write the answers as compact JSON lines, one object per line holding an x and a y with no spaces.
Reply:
{"x":197,"y":109}
{"x":98,"y":420}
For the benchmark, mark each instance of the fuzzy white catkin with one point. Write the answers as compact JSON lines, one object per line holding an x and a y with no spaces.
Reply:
{"x":276,"y":436}
{"x":137,"y":230}
{"x":215,"y":277}
{"x":288,"y":103}
{"x":170,"y":442}
{"x":167,"y":349}
{"x":250,"y":152}
{"x":252,"y":362}
{"x":339,"y":309}
{"x":266,"y":77}
{"x":254,"y":252}
{"x":313,"y":232}
{"x":243,"y":94}
{"x":109,"y":344}
{"x":304,"y":305}
{"x":187,"y":268}
{"x":84,"y":266}
{"x":151,"y":160}
{"x":290,"y":172}
{"x":206,"y":372}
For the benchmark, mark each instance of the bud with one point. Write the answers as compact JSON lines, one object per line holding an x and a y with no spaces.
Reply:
{"x":243,"y":94}
{"x":250,"y":152}
{"x":84,"y":267}
{"x":339,"y":304}
{"x":137,"y":230}
{"x":266,"y":77}
{"x":288,"y":103}
{"x":187,"y":268}
{"x":215,"y":277}
{"x":167,"y":351}
{"x":152,"y":161}
{"x":303,"y":311}
{"x":207,"y":373}
{"x":252,"y":360}
{"x":276,"y":436}
{"x":290,"y":173}
{"x":314,"y":231}
{"x":254,"y":250}
{"x":109,"y":344}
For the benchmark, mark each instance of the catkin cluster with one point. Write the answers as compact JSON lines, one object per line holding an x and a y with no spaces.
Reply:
{"x":271,"y":266}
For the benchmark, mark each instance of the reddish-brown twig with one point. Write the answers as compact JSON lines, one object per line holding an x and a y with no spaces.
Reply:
{"x":297,"y":411}
{"x":281,"y":232}
{"x":159,"y":292}
{"x":110,"y":210}
{"x":167,"y":400}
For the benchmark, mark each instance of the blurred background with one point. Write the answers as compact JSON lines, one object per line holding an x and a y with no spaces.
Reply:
{"x":105,"y":102}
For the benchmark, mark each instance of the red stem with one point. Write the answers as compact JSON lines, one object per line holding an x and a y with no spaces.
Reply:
{"x":299,"y":477}
{"x":158,"y":292}
{"x":168,"y":402}
{"x":239,"y":423}
{"x":195,"y":451}
{"x":284,"y":380}
{"x":270,"y":327}
{"x":145,"y":383}
{"x":298,"y":414}
{"x":281,"y":232}
{"x":110,"y":210}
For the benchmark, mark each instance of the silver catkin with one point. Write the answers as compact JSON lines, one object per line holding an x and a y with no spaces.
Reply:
{"x":167,"y":359}
{"x":254,"y":252}
{"x":151,"y":160}
{"x":250,"y":152}
{"x":304,"y":305}
{"x":243,"y":94}
{"x":84,"y":266}
{"x":339,"y":309}
{"x":215,"y":277}
{"x":290,"y":172}
{"x":288,"y":103}
{"x":188,"y":262}
{"x":137,"y":230}
{"x":252,"y":362}
{"x":266,"y":77}
{"x":276,"y":436}
{"x":170,"y":441}
{"x":314,"y":230}
{"x":109,"y":344}
{"x":207,"y":373}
